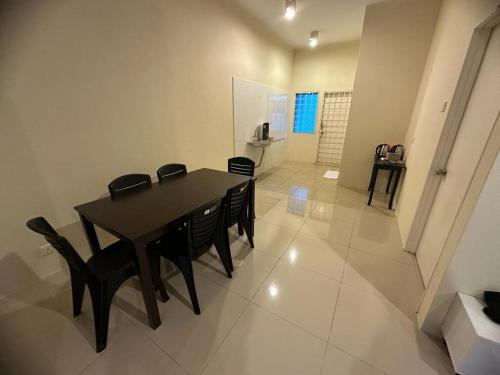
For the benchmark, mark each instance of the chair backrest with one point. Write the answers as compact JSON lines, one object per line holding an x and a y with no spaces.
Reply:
{"x":203,"y":224}
{"x":170,"y":170}
{"x":241,"y":165}
{"x":127,"y":183}
{"x":61,"y":244}
{"x":237,"y":202}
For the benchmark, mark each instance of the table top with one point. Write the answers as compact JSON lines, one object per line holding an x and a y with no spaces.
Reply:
{"x":393,"y":164}
{"x":144,"y":213}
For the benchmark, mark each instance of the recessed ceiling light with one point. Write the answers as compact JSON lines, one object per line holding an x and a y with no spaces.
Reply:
{"x":313,"y":39}
{"x":290,"y":9}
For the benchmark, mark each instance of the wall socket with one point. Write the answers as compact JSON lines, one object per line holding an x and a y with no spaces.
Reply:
{"x":46,"y":249}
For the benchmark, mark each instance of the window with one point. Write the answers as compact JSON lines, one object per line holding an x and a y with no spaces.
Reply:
{"x":304,"y":119}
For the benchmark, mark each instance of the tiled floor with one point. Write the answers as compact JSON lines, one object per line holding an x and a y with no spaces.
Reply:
{"x":327,"y":290}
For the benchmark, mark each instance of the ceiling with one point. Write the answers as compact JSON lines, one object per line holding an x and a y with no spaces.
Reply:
{"x":336,"y":20}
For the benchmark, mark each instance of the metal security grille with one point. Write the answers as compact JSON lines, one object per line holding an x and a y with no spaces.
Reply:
{"x":336,"y":105}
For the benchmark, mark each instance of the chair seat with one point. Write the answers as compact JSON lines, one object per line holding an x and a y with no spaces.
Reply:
{"x":117,"y":257}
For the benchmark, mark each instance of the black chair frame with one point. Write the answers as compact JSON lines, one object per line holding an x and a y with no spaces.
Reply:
{"x":170,"y":170}
{"x":127,"y":183}
{"x":203,"y":228}
{"x":238,"y":209}
{"x":241,"y":165}
{"x":103,"y":274}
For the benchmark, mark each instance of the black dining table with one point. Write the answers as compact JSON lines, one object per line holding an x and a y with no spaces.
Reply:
{"x":144,"y":216}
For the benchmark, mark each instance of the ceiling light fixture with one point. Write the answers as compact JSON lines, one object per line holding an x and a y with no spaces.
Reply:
{"x":290,"y":9}
{"x":313,"y":39}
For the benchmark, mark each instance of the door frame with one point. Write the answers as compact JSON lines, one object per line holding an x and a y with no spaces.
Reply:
{"x":319,"y":120}
{"x":458,"y":105}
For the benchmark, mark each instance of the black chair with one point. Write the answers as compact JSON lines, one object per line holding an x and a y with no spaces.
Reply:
{"x":103,"y":274}
{"x":237,"y":209}
{"x":170,"y":170}
{"x":203,"y":228}
{"x":241,"y":165}
{"x":126,"y":183}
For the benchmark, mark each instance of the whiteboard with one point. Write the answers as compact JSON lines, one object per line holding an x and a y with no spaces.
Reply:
{"x":253,"y":104}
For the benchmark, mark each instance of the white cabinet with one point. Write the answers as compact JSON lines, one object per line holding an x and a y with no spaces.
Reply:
{"x":473,"y":339}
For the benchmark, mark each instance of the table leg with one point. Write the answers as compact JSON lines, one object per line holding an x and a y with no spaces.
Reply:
{"x":372,"y":184}
{"x":148,"y":291}
{"x":91,"y":235}
{"x":388,"y":187}
{"x":394,"y":188}
{"x":373,"y":178}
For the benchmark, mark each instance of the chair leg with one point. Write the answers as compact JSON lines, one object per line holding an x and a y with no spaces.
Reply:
{"x":221,"y":242}
{"x":186,"y":268}
{"x":77,"y":291}
{"x":246,"y":226}
{"x":155,"y":262}
{"x":101,"y":304}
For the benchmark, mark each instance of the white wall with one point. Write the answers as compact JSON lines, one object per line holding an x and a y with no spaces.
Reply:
{"x":92,"y":89}
{"x":394,"y":44}
{"x":475,"y":266}
{"x":456,"y":22}
{"x":325,"y":68}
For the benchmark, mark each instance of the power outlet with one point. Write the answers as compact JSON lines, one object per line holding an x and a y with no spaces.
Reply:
{"x":46,"y":249}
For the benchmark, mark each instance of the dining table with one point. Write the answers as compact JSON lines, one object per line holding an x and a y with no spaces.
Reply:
{"x":144,"y":216}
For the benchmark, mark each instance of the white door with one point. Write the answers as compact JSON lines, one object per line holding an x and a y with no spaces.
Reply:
{"x":482,"y":110}
{"x":336,"y":105}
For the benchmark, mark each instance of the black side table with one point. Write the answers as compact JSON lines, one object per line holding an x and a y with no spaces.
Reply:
{"x":396,"y":167}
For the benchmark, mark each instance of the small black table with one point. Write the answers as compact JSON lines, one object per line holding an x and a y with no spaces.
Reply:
{"x":147,"y":215}
{"x":396,"y":167}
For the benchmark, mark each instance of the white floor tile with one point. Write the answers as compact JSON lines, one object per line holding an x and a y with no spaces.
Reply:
{"x":377,"y":332}
{"x":395,"y":281}
{"x":262,"y":343}
{"x":335,"y":230}
{"x":379,"y":234}
{"x":319,"y":255}
{"x":290,"y":218}
{"x":271,"y":238}
{"x":251,"y":267}
{"x":64,"y":345}
{"x":338,"y":362}
{"x":134,"y":354}
{"x":188,"y":338}
{"x":301,"y":297}
{"x":333,"y":211}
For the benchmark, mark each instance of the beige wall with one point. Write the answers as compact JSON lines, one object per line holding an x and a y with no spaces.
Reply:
{"x":394,"y":44}
{"x":454,"y":29}
{"x":90,"y":90}
{"x":330,"y":67}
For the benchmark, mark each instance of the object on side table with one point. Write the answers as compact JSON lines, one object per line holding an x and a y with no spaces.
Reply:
{"x":381,"y":150}
{"x":492,"y":310}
